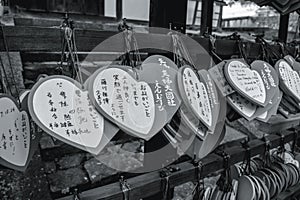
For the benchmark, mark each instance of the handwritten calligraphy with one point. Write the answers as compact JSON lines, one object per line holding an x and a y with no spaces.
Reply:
{"x":14,"y":133}
{"x":197,"y":96}
{"x":246,"y":81}
{"x":65,"y":111}
{"x":127,"y":102}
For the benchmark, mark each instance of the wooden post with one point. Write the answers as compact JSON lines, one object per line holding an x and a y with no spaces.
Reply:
{"x":157,"y":13}
{"x":207,"y":16}
{"x":162,"y":14}
{"x":220,"y":19}
{"x":119,"y":9}
{"x":101,"y":7}
{"x":283,"y":27}
{"x":195,"y":12}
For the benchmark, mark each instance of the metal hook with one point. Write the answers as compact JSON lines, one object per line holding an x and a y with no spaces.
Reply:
{"x":76,"y":194}
{"x":225,"y":182}
{"x":245,"y":145}
{"x":267,"y":157}
{"x":295,"y":141}
{"x":165,"y":175}
{"x":282,"y":142}
{"x":199,"y":167}
{"x":267,"y":143}
{"x":125,"y":188}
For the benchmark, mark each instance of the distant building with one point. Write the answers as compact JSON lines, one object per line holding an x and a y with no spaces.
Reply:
{"x":265,"y":20}
{"x":194,"y":13}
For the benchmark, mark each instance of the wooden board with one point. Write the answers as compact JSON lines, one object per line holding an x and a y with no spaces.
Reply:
{"x":30,"y":38}
{"x":90,"y":7}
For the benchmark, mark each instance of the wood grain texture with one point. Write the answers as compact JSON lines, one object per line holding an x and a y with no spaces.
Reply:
{"x":47,"y":39}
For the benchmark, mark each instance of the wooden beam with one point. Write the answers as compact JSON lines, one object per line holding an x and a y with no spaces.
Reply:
{"x":119,"y":9}
{"x":283,"y":27}
{"x":147,"y":185}
{"x":207,"y":16}
{"x":45,"y":39}
{"x":48,"y":39}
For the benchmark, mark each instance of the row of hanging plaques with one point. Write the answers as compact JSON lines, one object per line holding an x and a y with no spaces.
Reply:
{"x":141,"y":101}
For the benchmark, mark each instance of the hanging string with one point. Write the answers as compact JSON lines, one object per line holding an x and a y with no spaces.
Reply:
{"x":264,"y":51}
{"x":10,"y":66}
{"x":63,"y":49}
{"x":137,"y":54}
{"x":69,"y":43}
{"x":270,"y":52}
{"x":181,"y":54}
{"x":297,"y":27}
{"x":2,"y":87}
{"x":267,"y":155}
{"x":284,"y":50}
{"x":126,"y":58}
{"x":225,"y":180}
{"x":297,"y":51}
{"x":176,"y":55}
{"x":186,"y":54}
{"x":247,"y":157}
{"x":75,"y":57}
{"x":131,"y":48}
{"x":212,"y":41}
{"x":6,"y":88}
{"x":131,"y":56}
{"x":241,"y":47}
{"x":2,"y":82}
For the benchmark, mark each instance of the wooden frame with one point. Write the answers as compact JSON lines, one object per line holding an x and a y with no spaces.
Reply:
{"x":39,"y":39}
{"x":45,"y":39}
{"x":149,"y":184}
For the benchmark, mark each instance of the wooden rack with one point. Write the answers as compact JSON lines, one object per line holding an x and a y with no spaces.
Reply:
{"x":39,"y":44}
{"x":147,"y":185}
